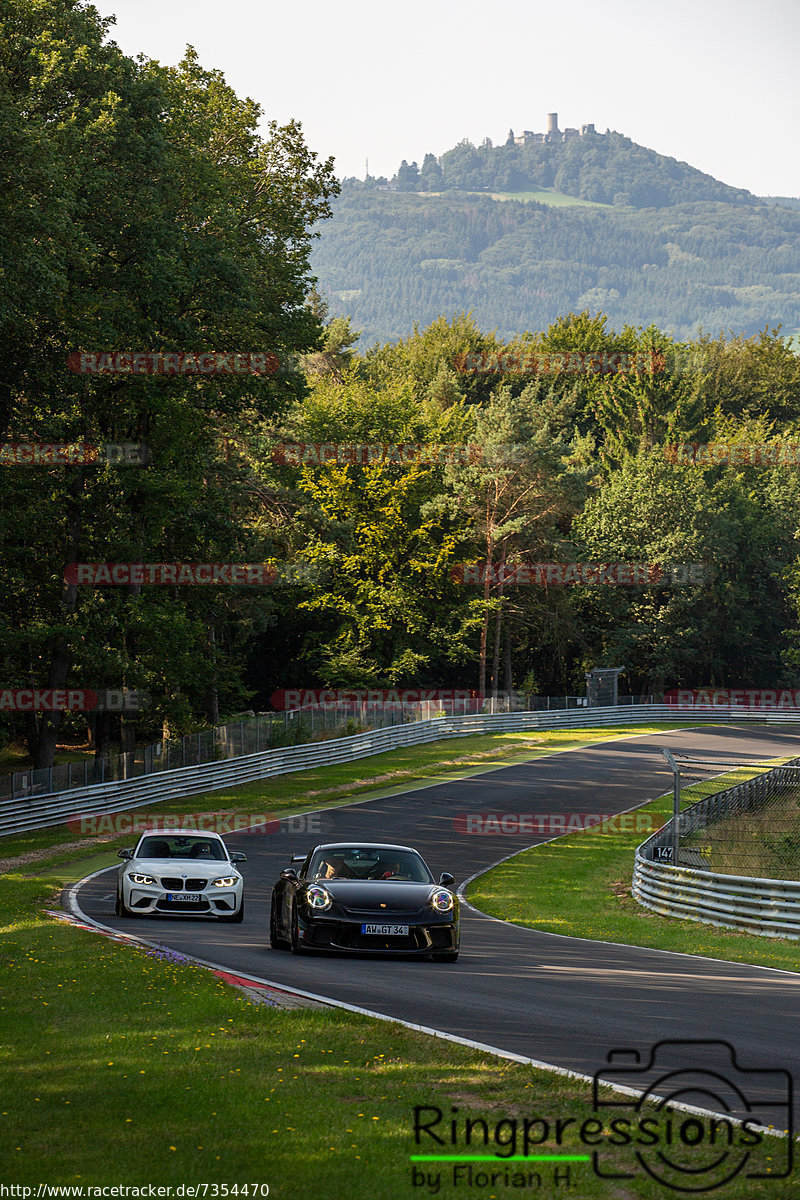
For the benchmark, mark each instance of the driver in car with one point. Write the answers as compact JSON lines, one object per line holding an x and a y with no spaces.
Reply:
{"x":332,"y":868}
{"x":387,"y":869}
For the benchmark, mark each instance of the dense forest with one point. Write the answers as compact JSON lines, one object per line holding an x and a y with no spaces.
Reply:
{"x":194,"y":238}
{"x":521,"y":234}
{"x":390,"y":260}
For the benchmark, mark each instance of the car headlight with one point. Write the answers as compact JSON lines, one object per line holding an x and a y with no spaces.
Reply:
{"x":142,"y":879}
{"x":227,"y":881}
{"x":318,"y":897}
{"x":442,"y":901}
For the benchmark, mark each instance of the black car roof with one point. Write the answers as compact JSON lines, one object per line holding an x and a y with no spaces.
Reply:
{"x":363,"y":846}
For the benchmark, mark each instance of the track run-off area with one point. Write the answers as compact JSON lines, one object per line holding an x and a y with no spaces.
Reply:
{"x":559,"y":1001}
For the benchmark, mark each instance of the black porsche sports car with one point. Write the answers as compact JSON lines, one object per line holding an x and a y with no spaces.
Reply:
{"x":361,"y":897}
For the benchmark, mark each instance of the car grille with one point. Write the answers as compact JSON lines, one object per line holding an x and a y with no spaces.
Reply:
{"x":182,"y":905}
{"x":350,"y":937}
{"x":173,"y":884}
{"x":402,"y":915}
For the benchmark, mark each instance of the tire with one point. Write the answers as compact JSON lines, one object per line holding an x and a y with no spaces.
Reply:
{"x":295,"y":942}
{"x":276,"y":942}
{"x":235,"y":918}
{"x":119,"y":906}
{"x":446,"y":956}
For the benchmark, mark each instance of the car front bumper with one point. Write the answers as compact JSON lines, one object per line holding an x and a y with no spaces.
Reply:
{"x":151,"y":899}
{"x":345,"y":936}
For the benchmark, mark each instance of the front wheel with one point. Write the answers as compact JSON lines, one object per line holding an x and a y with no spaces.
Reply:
{"x":295,"y":943}
{"x":275,"y":941}
{"x":119,"y":907}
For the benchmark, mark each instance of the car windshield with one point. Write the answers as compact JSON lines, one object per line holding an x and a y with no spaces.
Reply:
{"x":364,"y":862}
{"x":202,"y":849}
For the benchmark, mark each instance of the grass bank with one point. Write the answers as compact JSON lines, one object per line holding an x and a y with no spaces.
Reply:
{"x":122,"y":1067}
{"x":579,"y":885}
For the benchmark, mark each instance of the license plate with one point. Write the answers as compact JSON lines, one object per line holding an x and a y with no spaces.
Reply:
{"x":191,"y":896}
{"x":386,"y":930}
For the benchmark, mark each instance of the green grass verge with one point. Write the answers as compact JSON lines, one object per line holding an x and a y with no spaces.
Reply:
{"x":123,"y":1068}
{"x":580,"y":885}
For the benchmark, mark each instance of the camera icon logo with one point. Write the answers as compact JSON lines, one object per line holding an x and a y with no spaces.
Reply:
{"x":714,"y":1120}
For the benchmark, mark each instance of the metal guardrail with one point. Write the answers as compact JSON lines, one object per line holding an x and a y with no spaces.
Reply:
{"x":767,"y":907}
{"x":268,"y":731}
{"x":43,"y":811}
{"x":264,"y":731}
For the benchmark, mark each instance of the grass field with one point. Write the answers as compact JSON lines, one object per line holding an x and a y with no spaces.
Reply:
{"x":123,"y":1066}
{"x":546,"y":196}
{"x":538,"y":195}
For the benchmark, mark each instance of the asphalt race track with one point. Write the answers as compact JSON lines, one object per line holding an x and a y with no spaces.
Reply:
{"x":558,"y":1000}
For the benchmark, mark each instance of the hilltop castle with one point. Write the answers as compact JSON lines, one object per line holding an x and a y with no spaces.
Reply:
{"x":554,"y":134}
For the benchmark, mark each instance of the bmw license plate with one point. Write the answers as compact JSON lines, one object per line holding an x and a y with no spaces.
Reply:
{"x":386,"y":930}
{"x":191,"y":896}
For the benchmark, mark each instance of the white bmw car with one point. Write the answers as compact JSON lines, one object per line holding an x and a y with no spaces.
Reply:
{"x":182,"y":872}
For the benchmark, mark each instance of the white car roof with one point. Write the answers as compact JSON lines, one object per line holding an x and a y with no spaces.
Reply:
{"x":168,"y":833}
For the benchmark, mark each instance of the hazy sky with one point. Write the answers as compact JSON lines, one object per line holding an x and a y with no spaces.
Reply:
{"x":713,"y":82}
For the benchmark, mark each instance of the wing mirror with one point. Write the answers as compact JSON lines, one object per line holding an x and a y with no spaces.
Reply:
{"x":446,"y":879}
{"x":124,"y":854}
{"x":238,"y":856}
{"x":289,"y":873}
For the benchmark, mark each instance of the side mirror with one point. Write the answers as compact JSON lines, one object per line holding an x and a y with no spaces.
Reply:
{"x":446,"y":879}
{"x":238,"y":856}
{"x":124,"y":854}
{"x":289,"y":873}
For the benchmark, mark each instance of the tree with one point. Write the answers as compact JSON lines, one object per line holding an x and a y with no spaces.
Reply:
{"x":723,"y":631}
{"x":408,"y":177}
{"x":382,"y":612}
{"x":518,"y":506}
{"x":165,"y":222}
{"x":430,"y":176}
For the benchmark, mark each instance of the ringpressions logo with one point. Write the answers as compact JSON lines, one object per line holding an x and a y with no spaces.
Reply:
{"x":685,"y":1114}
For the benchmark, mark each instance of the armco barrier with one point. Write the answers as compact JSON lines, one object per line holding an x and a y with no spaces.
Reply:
{"x":768,"y":907}
{"x":39,"y":812}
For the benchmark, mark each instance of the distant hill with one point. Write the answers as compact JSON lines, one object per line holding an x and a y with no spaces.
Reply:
{"x":607,"y":168}
{"x":596,"y":222}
